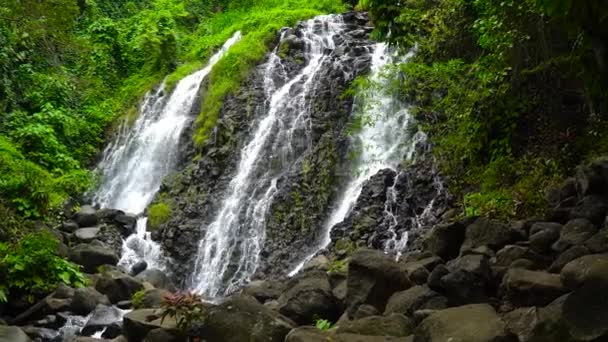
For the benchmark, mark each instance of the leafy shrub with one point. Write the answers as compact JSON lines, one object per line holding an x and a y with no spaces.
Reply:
{"x":323,"y":324}
{"x":186,"y":308}
{"x":32,"y":267}
{"x":158,"y":214}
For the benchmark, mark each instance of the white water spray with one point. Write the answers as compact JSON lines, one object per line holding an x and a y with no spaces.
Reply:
{"x":134,"y":165}
{"x":229,"y":253}
{"x":385,"y":143}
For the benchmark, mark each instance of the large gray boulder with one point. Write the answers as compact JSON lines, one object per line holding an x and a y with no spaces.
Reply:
{"x":390,"y":325}
{"x":117,"y":285}
{"x":312,"y":334}
{"x":138,"y":323}
{"x":574,"y":232}
{"x":372,"y":278}
{"x":91,"y":256}
{"x":309,"y":295}
{"x":445,"y":240}
{"x":157,"y":278}
{"x":413,"y":299}
{"x":242,"y":318}
{"x":531,"y":288}
{"x":87,"y":234}
{"x":588,"y":268}
{"x":264,"y":290}
{"x":487,"y":232}
{"x":86,"y":216}
{"x":469,"y":323}
{"x":86,"y":300}
{"x":12,"y":334}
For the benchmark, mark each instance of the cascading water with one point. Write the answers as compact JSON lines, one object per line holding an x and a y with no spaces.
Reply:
{"x":135,"y":164}
{"x":385,"y":143}
{"x":229,"y":253}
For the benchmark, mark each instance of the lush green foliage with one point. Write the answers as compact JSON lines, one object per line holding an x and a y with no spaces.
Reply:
{"x":137,"y":299}
{"x":323,"y":324}
{"x":31,"y":267}
{"x":158,"y":214}
{"x":484,"y":71}
{"x":186,"y":308}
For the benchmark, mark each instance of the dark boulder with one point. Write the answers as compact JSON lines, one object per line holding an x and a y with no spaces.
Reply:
{"x":598,"y":243}
{"x":521,"y":322}
{"x":87,"y":234}
{"x":151,"y":299}
{"x":86,"y":216}
{"x":593,"y":178}
{"x":92,"y":256}
{"x":117,"y":285}
{"x":372,"y":278}
{"x":138,"y":323}
{"x":86,"y":299}
{"x":102,"y":317}
{"x":413,"y":299}
{"x":531,"y":288}
{"x":157,"y":278}
{"x":571,"y":254}
{"x":487,"y":232}
{"x":445,"y":240}
{"x":469,"y":323}
{"x":574,"y":232}
{"x":468,"y":280}
{"x":585,"y":269}
{"x":12,"y":334}
{"x":585,"y":311}
{"x":309,"y":295}
{"x":242,"y":318}
{"x":264,"y":290}
{"x":390,"y":325}
{"x":543,"y":235}
{"x":138,"y":268}
{"x":312,"y":334}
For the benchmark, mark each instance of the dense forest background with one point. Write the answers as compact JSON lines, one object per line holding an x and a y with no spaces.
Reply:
{"x":513,"y":93}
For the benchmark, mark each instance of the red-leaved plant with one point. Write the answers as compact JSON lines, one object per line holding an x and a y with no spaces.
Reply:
{"x":186,"y":308}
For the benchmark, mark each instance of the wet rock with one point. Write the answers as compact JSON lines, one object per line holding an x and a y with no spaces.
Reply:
{"x":317,"y":263}
{"x":521,"y":322}
{"x":487,"y":232}
{"x":40,"y":334}
{"x":86,"y":300}
{"x":593,"y":178}
{"x":87,"y":234}
{"x":307,"y":296}
{"x":585,"y":269}
{"x":138,"y":268}
{"x":598,"y":243}
{"x":467,"y":281}
{"x":372,"y":278}
{"x":138,"y":323}
{"x":312,"y":334}
{"x":446,"y":240}
{"x":530,"y":288}
{"x":550,"y":325}
{"x":511,"y":253}
{"x":51,"y":321}
{"x":469,"y":323}
{"x":69,"y":226}
{"x":152,"y":298}
{"x":390,"y":325}
{"x":571,"y":254}
{"x":92,"y":256}
{"x":416,"y":298}
{"x":592,"y":208}
{"x":12,"y":334}
{"x":46,"y":306}
{"x":157,"y":278}
{"x":365,"y":310}
{"x":162,"y":335}
{"x":117,"y":285}
{"x":543,"y":235}
{"x":574,"y":232}
{"x":102,"y":317}
{"x":242,"y":318}
{"x":585,"y":311}
{"x":86,"y":216}
{"x":264,"y":290}
{"x":126,"y":223}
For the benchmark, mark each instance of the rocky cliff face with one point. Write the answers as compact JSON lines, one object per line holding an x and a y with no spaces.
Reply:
{"x":304,"y":192}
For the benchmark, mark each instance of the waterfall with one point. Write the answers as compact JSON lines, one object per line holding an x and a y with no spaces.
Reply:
{"x":385,"y":140}
{"x":135,"y":163}
{"x":229,"y":252}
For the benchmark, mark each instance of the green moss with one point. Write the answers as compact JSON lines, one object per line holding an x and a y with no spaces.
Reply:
{"x":283,"y":49}
{"x":158,"y":214}
{"x":338,"y":266}
{"x":138,"y":298}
